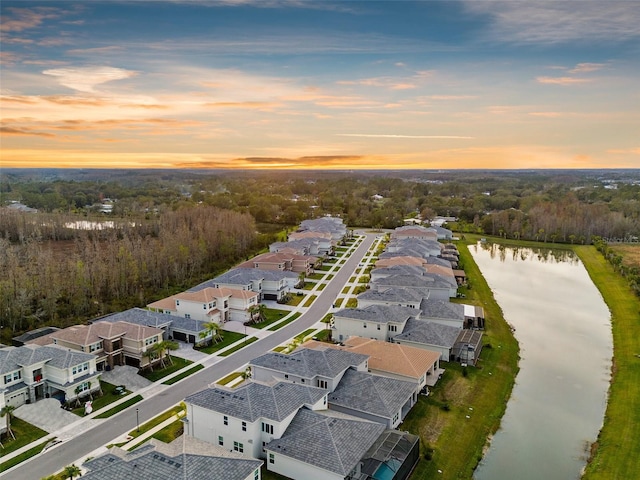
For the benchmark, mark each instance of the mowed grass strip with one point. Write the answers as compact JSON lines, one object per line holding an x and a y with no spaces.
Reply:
{"x":184,"y":374}
{"x":119,"y":408}
{"x":441,"y":419}
{"x":617,"y":452}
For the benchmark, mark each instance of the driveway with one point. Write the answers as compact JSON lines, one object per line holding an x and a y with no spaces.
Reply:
{"x":46,"y":414}
{"x":125,"y":375}
{"x":187,"y":352}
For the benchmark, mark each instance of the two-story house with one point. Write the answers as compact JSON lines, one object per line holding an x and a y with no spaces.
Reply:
{"x":378,"y":321}
{"x":245,"y":419}
{"x":319,"y":368}
{"x":114,"y":343}
{"x":32,"y":372}
{"x":268,"y":284}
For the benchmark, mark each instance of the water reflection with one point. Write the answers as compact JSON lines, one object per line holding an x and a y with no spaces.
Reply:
{"x":563,"y":327}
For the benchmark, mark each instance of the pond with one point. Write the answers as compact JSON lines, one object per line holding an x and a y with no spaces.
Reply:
{"x":564,"y":330}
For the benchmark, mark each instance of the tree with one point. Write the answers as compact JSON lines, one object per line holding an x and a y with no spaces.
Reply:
{"x":71,"y":471}
{"x":213,"y":330}
{"x":78,"y":391}
{"x":169,"y":346}
{"x":258,"y":313}
{"x":7,"y":411}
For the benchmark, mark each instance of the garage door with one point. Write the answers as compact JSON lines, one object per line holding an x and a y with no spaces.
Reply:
{"x":17,"y":399}
{"x":180,"y":336}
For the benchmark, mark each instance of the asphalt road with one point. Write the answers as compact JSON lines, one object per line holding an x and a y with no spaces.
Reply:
{"x":125,"y":421}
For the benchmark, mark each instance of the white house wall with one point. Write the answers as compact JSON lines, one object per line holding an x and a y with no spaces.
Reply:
{"x":292,"y":468}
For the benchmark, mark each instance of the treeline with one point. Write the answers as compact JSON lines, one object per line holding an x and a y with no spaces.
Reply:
{"x":100,"y":271}
{"x":630,"y":272}
{"x":567,"y":220}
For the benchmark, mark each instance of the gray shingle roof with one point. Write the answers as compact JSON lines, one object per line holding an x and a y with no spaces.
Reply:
{"x":441,"y":309}
{"x":308,"y":363}
{"x":331,"y":443}
{"x":399,"y":270}
{"x":419,"y":281}
{"x":155,"y":462}
{"x":378,"y":313}
{"x":429,"y":333}
{"x":257,"y":400}
{"x":374,"y":394}
{"x":398,"y":294}
{"x":13,"y":358}
{"x":140,"y":316}
{"x":244,"y":276}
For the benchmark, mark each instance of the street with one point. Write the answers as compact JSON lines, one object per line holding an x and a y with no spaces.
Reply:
{"x":82,"y":445}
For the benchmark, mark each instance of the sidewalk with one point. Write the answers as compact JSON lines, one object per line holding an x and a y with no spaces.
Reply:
{"x":69,"y":430}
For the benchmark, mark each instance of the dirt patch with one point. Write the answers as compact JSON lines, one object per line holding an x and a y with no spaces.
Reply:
{"x":630,"y":254}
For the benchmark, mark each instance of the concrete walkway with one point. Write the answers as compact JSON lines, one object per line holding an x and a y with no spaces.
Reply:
{"x":47,"y":415}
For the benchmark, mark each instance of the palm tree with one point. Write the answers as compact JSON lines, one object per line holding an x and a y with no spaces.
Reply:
{"x":213,"y":330}
{"x":78,"y":390}
{"x":157,"y":351}
{"x":72,"y":470}
{"x":168,"y":346}
{"x":257,"y":313}
{"x":8,"y":411}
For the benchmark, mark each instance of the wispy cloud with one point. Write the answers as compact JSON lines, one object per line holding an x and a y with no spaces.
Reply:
{"x":84,"y":79}
{"x":429,"y":137}
{"x":20,"y":19}
{"x":587,"y":21}
{"x":587,"y":67}
{"x":23,"y":132}
{"x":562,"y":80}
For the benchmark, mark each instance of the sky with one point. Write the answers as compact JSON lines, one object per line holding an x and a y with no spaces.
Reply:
{"x":295,"y":84}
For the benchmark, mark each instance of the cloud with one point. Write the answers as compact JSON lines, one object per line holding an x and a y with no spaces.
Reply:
{"x":586,"y":67}
{"x":95,"y":51}
{"x":84,"y":79}
{"x":586,"y":21}
{"x":20,"y":19}
{"x":244,"y":105}
{"x":627,"y":151}
{"x":562,"y":80}
{"x":23,"y":132}
{"x":547,"y":114}
{"x":429,"y":137}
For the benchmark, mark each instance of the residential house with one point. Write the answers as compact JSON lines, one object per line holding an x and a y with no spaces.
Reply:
{"x":317,"y":446}
{"x":174,"y":327}
{"x":114,"y":343}
{"x":443,"y":311}
{"x":245,"y":419}
{"x":32,"y":372}
{"x":332,"y":225}
{"x":378,"y":321}
{"x":430,"y":336}
{"x":391,"y":359}
{"x":282,"y":261}
{"x":268,"y":284}
{"x":319,"y":368}
{"x":400,"y":296}
{"x":209,"y":304}
{"x":413,"y":231}
{"x":323,"y":240}
{"x":183,"y":458}
{"x":375,"y":398}
{"x":434,"y":286}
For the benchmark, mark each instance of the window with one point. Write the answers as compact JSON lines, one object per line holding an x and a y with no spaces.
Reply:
{"x":12,"y":377}
{"x":177,"y":302}
{"x":244,"y":426}
{"x":83,"y":387}
{"x":83,"y":367}
{"x":238,"y":447}
{"x":322,"y":383}
{"x":220,"y":440}
{"x":302,"y":380}
{"x":225,"y":420}
{"x":364,"y":325}
{"x":204,"y":306}
{"x":267,"y":428}
{"x":378,"y":326}
{"x":393,"y":328}
{"x":264,"y":444}
{"x":286,"y":376}
{"x":272,"y":458}
{"x":187,"y":315}
{"x":256,"y":474}
{"x":95,"y":346}
{"x":151,"y":341}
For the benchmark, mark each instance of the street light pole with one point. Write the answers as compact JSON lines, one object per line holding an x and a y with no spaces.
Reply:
{"x":138,"y":420}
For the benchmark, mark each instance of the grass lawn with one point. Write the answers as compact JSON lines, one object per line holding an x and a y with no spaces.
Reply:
{"x":301,"y":336}
{"x":229,"y":378}
{"x":295,"y":300}
{"x":338,"y":302}
{"x":345,"y":290}
{"x":310,"y":300}
{"x":352,"y":303}
{"x":247,"y":341}
{"x":309,"y":285}
{"x":316,"y":276}
{"x":184,"y":374}
{"x":120,"y":407}
{"x":99,"y":402}
{"x":616,"y":454}
{"x":270,"y":315}
{"x":24,"y":432}
{"x":440,"y":419}
{"x":326,"y":268}
{"x":285,"y":322}
{"x":323,"y":335}
{"x":321,"y":287}
{"x":229,"y":338}
{"x":327,"y":318}
{"x":158,"y":373}
{"x":158,"y":420}
{"x":169,"y":433}
{"x":22,"y":457}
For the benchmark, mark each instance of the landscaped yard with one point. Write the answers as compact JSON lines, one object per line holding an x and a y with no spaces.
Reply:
{"x":178,"y":409}
{"x":158,"y":373}
{"x":352,"y":303}
{"x":310,"y":301}
{"x":184,"y":374}
{"x":24,"y":432}
{"x":229,"y":338}
{"x":247,"y":341}
{"x":284,"y":322}
{"x":120,"y":407}
{"x":295,"y":300}
{"x":270,"y":315}
{"x":108,"y":396}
